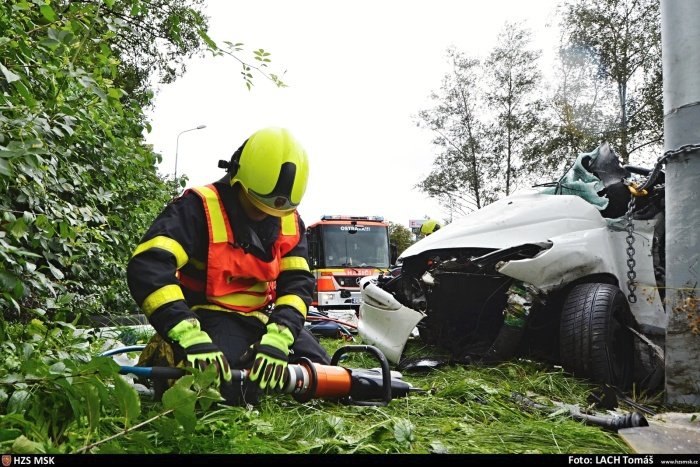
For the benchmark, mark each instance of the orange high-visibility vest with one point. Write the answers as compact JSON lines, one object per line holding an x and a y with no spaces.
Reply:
{"x":237,"y":280}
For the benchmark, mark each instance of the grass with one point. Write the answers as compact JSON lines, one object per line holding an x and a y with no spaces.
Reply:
{"x":465,"y":410}
{"x":56,"y":397}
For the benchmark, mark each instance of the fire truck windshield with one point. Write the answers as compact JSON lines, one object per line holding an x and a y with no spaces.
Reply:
{"x":355,"y":246}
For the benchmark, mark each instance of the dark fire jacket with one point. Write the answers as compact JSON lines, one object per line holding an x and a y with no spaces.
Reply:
{"x":177,"y":246}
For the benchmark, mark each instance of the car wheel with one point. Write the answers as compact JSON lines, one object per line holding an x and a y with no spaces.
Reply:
{"x":593,"y":341}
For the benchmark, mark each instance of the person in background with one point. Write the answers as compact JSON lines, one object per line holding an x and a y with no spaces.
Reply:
{"x":222,"y":273}
{"x":430,"y":226}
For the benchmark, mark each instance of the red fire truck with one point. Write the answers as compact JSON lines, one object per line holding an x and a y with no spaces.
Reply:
{"x":342,"y":250}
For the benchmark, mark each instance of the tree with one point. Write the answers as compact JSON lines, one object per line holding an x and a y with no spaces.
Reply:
{"x":482,"y":129}
{"x":400,"y":236}
{"x":514,"y":78}
{"x":576,"y":115}
{"x":148,"y":39}
{"x":624,"y":37}
{"x":78,"y":184}
{"x":77,"y":180}
{"x":458,"y":179}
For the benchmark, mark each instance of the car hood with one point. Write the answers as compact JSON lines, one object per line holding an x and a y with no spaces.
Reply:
{"x":526,"y":217}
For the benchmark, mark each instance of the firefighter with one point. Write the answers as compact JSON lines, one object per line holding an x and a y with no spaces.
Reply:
{"x":429,"y":226}
{"x":222,"y":273}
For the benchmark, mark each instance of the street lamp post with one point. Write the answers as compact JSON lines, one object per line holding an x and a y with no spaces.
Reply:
{"x":177,"y":143}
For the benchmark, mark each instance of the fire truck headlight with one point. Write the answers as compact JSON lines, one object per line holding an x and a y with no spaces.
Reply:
{"x":328,"y":296}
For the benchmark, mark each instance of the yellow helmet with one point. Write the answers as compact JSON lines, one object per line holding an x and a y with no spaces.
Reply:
{"x":272,"y":168}
{"x":429,"y":226}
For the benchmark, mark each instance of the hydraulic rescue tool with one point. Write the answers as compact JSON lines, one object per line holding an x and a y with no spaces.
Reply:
{"x":306,"y":380}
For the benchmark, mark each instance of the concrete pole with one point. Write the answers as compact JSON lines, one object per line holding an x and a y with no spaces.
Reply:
{"x":680,"y":38}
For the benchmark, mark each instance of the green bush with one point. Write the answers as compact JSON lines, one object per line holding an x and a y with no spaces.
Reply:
{"x":78,"y":183}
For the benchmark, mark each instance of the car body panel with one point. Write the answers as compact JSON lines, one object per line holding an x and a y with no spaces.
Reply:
{"x":583,"y":244}
{"x":380,"y":312}
{"x":603,"y":250}
{"x":521,"y":218}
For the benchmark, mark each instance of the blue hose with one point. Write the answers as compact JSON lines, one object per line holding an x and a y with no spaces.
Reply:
{"x":130,"y":348}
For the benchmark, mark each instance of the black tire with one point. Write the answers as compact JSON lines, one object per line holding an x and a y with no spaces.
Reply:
{"x":594,"y":343}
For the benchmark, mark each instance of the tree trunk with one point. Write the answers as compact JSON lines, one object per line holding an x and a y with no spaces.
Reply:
{"x":475,"y":182}
{"x":476,"y":178}
{"x":509,"y":149}
{"x":624,"y":137}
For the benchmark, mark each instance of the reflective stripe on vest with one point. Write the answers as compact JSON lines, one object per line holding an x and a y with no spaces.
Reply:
{"x":237,"y":280}
{"x":255,"y":314}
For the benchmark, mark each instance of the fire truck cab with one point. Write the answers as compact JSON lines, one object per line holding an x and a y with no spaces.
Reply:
{"x":342,"y":250}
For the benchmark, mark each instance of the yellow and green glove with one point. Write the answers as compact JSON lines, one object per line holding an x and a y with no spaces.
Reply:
{"x":271,"y":357}
{"x":199,"y":349}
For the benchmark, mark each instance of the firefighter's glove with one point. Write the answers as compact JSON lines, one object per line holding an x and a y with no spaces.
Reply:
{"x":271,"y":356}
{"x":199,"y":349}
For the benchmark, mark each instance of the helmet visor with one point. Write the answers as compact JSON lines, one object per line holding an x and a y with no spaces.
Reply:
{"x":273,"y":205}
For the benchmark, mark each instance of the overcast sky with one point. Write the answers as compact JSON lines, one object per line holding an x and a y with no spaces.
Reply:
{"x":358,"y":73}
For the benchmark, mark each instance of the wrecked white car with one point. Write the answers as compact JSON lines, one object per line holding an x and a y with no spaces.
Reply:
{"x":567,"y":274}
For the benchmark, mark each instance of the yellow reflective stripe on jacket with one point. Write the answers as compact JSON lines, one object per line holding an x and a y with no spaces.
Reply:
{"x":167,"y":294}
{"x":167,"y":244}
{"x":241,"y":299}
{"x":255,"y":314}
{"x":261,"y":287}
{"x":289,"y":224}
{"x":294,"y":263}
{"x":218,"y":226}
{"x":294,"y":301}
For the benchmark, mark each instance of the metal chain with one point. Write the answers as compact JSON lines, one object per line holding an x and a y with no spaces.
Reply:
{"x":682,"y":149}
{"x":629,"y":227}
{"x":651,"y":179}
{"x":662,"y":160}
{"x":631,"y":263}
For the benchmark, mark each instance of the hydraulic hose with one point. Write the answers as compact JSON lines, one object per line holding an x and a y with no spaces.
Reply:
{"x":612,"y":422}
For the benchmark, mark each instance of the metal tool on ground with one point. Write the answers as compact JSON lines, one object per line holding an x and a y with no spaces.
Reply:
{"x":306,"y":380}
{"x":610,"y":422}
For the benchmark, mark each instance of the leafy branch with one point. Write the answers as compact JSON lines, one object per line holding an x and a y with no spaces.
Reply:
{"x":180,"y":400}
{"x":260,"y":55}
{"x":125,"y":432}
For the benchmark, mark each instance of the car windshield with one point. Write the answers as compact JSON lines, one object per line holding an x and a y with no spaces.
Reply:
{"x":356,"y":246}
